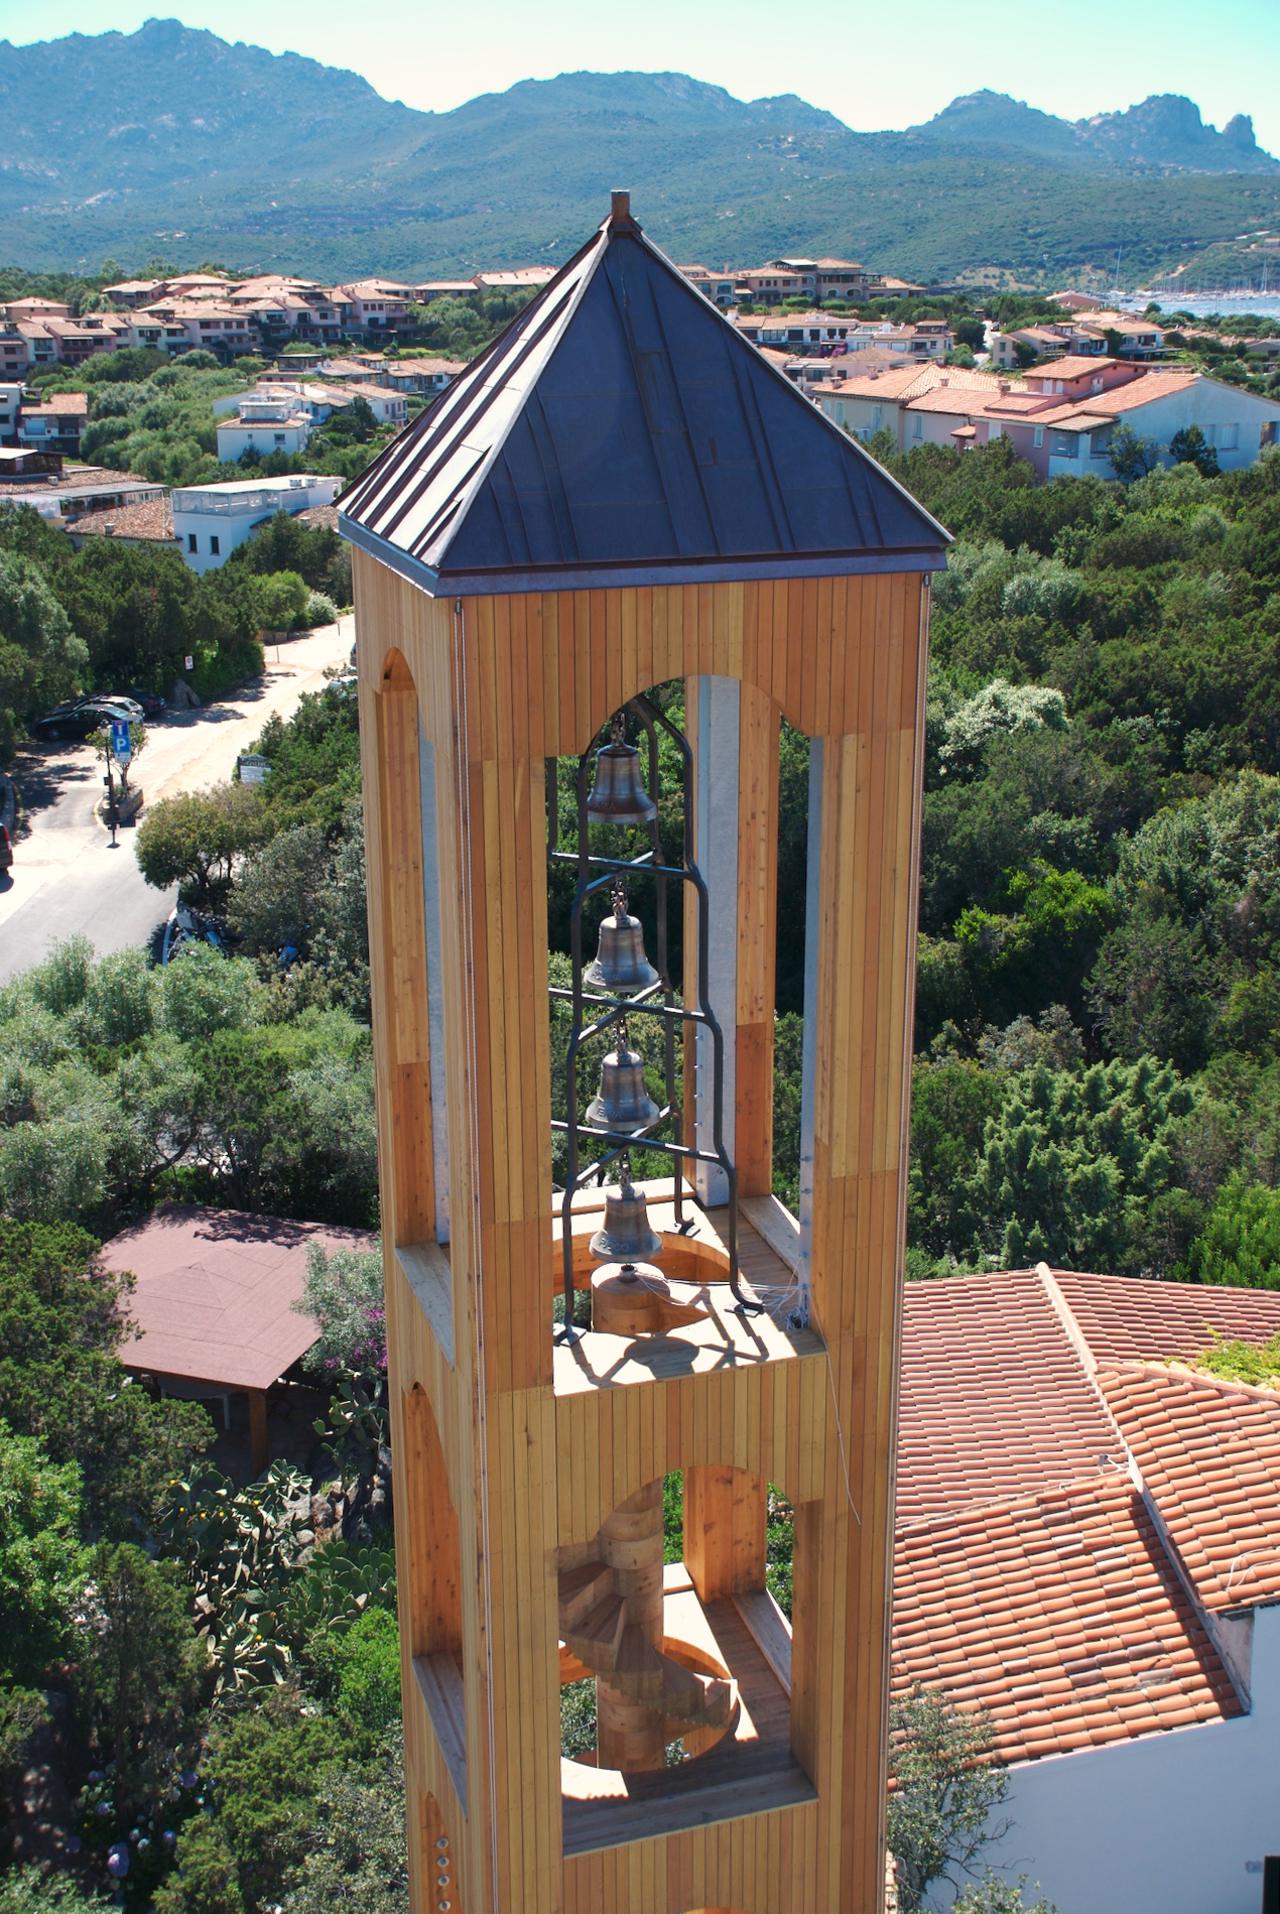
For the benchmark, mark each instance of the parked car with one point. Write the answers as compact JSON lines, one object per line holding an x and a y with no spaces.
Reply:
{"x":6,"y":848}
{"x":153,"y":705}
{"x":122,"y":705}
{"x":81,"y":717}
{"x":187,"y":927}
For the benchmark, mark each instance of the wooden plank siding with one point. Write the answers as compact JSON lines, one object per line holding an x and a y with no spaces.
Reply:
{"x":498,"y":685}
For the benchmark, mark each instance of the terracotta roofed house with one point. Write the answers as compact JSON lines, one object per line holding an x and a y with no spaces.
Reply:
{"x":1088,"y":1550}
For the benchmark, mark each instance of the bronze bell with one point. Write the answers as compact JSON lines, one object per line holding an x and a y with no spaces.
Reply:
{"x":618,"y":795}
{"x":621,"y":967}
{"x":625,"y":1235}
{"x":623,"y":1103}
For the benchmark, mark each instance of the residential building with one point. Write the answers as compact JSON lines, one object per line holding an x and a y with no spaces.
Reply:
{"x":1128,"y":335}
{"x":388,"y":406}
{"x":375,"y":305}
{"x":263,"y":425}
{"x":1157,"y":405}
{"x":1088,"y":1551}
{"x":430,"y":289}
{"x":344,"y":370}
{"x":13,"y":352}
{"x":148,"y":525}
{"x":1059,"y":418}
{"x":55,"y":425}
{"x":808,"y":332}
{"x":38,"y":479}
{"x":424,"y":377}
{"x":210,"y":521}
{"x":216,"y":326}
{"x":1075,"y":301}
{"x":319,"y":400}
{"x":523,"y":279}
{"x":35,"y":310}
{"x":720,"y":288}
{"x":10,"y":405}
{"x":134,"y":292}
{"x":821,"y":279}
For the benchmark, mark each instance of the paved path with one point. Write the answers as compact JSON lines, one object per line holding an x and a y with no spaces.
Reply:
{"x":66,"y":879}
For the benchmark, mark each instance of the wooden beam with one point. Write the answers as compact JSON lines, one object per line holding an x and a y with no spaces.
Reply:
{"x":259,"y":1454}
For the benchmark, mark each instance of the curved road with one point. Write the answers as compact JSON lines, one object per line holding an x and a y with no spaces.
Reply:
{"x":66,"y":879}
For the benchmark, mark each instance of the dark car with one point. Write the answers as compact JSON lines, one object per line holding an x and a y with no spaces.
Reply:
{"x":153,"y":705}
{"x":81,"y":717}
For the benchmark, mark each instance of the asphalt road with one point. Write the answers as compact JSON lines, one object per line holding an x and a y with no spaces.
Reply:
{"x":66,"y":879}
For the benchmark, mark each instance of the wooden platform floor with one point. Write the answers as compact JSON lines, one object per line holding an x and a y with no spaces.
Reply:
{"x":693,"y":1267}
{"x":750,"y":1771}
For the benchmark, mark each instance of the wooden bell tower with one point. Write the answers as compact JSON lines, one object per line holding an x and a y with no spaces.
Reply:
{"x":617,"y":494}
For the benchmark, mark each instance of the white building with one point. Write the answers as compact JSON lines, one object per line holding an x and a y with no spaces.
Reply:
{"x":1088,"y":1550}
{"x":1157,"y":406}
{"x":10,"y":406}
{"x":209,"y":521}
{"x":263,"y":425}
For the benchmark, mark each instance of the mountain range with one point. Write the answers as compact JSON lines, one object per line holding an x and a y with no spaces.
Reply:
{"x":172,"y":141}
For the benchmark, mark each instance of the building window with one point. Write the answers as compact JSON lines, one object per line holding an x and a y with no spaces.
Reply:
{"x":214,"y":547}
{"x":1038,"y":437}
{"x":1063,"y":445}
{"x":917,"y":427}
{"x":1227,"y":437}
{"x":191,"y":541}
{"x":279,"y":438}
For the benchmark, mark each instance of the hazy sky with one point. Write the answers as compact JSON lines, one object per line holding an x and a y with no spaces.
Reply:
{"x":894,"y":67}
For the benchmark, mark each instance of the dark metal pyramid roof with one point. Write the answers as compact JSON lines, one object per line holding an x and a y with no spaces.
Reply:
{"x":620,"y":431}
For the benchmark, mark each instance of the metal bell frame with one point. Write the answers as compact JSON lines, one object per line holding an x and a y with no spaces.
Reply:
{"x":594,"y":1013}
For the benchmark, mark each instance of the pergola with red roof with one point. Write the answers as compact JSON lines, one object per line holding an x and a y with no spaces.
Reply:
{"x":214,"y":1306}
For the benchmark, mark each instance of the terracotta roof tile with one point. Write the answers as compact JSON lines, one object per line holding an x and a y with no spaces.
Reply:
{"x":995,"y":1400}
{"x":152,"y":520}
{"x":1209,"y":1453}
{"x":1059,"y":1616}
{"x":1131,"y":1318}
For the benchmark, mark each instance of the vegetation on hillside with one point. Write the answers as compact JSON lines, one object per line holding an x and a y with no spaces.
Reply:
{"x":1012,"y":190}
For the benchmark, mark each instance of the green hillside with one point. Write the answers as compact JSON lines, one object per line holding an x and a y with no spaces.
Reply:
{"x":170,"y":141}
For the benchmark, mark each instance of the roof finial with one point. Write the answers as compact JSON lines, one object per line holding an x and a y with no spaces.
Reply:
{"x":620,"y":220}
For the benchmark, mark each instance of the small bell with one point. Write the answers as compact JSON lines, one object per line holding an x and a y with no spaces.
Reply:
{"x":618,"y":795}
{"x":625,"y":1235}
{"x":621,"y":967}
{"x":623,"y":1104}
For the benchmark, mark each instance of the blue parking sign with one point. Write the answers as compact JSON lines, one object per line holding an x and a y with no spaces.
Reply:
{"x":121,"y":740}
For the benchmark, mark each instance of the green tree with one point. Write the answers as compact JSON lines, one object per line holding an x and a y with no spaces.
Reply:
{"x":1197,"y":900}
{"x":358,"y":1859}
{"x":265,"y":1770}
{"x":62,"y":1327}
{"x":358,"y":1671}
{"x":1189,"y":446}
{"x":344,"y":1297}
{"x":1073,"y":1163}
{"x":194,"y":840}
{"x":42,"y":1564}
{"x":944,"y":1805}
{"x":206,"y":1879}
{"x":993,"y":1894}
{"x":1240,"y":1243}
{"x":1131,"y":457}
{"x":41,"y":658}
{"x":141,"y":1671}
{"x":35,"y":1890}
